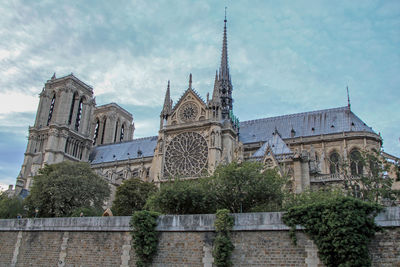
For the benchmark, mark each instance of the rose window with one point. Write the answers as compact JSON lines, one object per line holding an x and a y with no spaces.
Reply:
{"x":188,"y":111}
{"x":186,"y":155}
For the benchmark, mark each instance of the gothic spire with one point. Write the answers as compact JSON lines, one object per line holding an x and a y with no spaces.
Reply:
{"x":167,"y":103}
{"x":224,"y":80}
{"x":190,"y":81}
{"x":348,"y":97}
{"x":216,"y":95}
{"x":224,"y":69}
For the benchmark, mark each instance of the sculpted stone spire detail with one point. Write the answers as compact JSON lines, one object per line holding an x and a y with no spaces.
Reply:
{"x":167,"y":103}
{"x":224,"y":81}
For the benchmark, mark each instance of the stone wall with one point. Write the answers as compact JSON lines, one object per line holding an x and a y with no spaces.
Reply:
{"x":260,"y":239}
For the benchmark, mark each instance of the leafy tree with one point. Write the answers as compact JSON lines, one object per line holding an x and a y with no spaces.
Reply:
{"x":131,"y":196}
{"x":61,"y":188}
{"x":247,"y":186}
{"x":87,"y":212}
{"x":369,"y":179}
{"x":223,"y":246}
{"x":183,"y":197}
{"x":238,"y":187}
{"x":10,"y":207}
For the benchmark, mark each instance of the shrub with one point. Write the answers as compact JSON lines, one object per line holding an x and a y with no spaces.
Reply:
{"x":341,"y":227}
{"x":145,"y":236}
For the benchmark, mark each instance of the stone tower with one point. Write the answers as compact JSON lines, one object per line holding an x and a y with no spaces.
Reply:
{"x":196,"y":135}
{"x":62,"y":129}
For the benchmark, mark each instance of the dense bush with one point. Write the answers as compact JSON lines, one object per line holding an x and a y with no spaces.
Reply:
{"x":238,"y":187}
{"x":340,"y":226}
{"x":183,"y":197}
{"x":145,"y":236}
{"x":131,"y":196}
{"x":11,"y":207}
{"x":223,"y":247}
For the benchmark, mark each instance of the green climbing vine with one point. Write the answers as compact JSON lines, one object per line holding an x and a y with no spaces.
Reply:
{"x":223,"y":246}
{"x":145,"y":236}
{"x":341,"y":227}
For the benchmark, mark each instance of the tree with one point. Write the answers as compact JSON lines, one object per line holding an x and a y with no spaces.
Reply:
{"x":131,"y":196}
{"x":369,"y":179}
{"x":184,"y":197}
{"x":61,"y":188}
{"x":10,"y":207}
{"x":238,"y":187}
{"x":247,"y":186}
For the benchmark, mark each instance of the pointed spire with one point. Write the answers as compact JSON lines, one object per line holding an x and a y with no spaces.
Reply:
{"x":224,"y":69}
{"x":167,"y":103}
{"x":348,"y":97}
{"x":216,"y":95}
{"x":54,"y":76}
{"x":190,"y":81}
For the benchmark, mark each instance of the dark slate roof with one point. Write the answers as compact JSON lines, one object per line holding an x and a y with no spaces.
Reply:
{"x":277,"y":145}
{"x":124,"y":150}
{"x":327,"y":121}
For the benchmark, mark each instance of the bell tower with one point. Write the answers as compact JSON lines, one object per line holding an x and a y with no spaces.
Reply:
{"x":62,"y":129}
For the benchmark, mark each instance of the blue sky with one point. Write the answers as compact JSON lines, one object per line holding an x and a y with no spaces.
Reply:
{"x":285,"y":57}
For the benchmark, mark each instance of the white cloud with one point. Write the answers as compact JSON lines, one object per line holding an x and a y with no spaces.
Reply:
{"x":17,"y":102}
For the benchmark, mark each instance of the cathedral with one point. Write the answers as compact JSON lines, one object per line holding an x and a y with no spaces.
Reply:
{"x":194,"y":137}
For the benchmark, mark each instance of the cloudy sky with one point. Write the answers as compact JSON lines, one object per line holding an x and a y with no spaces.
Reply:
{"x":285,"y":57}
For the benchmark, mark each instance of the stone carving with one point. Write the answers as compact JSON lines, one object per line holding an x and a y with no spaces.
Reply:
{"x":186,"y":155}
{"x":188,"y":111}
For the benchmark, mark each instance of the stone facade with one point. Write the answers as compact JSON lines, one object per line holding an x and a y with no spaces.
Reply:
{"x":195,"y":136}
{"x":260,"y":239}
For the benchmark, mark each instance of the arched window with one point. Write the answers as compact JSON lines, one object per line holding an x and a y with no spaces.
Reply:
{"x":356,"y":165}
{"x":334,"y":160}
{"x":53,"y":101}
{"x":96,"y":132}
{"x":71,"y":111}
{"x":79,"y":115}
{"x":116,"y":132}
{"x":104,"y":131}
{"x":121,"y":137}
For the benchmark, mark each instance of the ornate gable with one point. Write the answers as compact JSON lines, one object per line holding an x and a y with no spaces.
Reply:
{"x":189,"y":108}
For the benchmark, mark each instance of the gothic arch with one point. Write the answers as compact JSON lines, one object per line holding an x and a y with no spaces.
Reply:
{"x":334,"y":162}
{"x":51,"y":109}
{"x":356,"y":162}
{"x":122,"y":132}
{"x":75,"y":96}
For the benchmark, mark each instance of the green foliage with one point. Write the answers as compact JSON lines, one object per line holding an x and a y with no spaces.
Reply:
{"x":242,"y":187}
{"x":239,"y":187}
{"x":373,"y":184}
{"x":131,"y":196}
{"x":61,"y":188}
{"x":223,"y":246}
{"x":10,"y":207}
{"x":87,"y":212}
{"x":145,"y":237}
{"x":184,"y":197}
{"x":340,"y":226}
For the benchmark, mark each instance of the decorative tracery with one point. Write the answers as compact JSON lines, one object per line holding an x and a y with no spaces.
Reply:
{"x":188,"y":111}
{"x":186,"y":155}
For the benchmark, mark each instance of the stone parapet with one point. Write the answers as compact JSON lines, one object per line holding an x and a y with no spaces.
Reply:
{"x":262,"y":221}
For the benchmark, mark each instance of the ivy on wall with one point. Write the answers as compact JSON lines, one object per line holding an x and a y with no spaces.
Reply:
{"x":223,"y":246}
{"x":341,"y":227}
{"x":145,"y":236}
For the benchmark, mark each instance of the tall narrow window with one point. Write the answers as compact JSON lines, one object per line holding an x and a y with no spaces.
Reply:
{"x":356,"y":165}
{"x":53,"y":101}
{"x":104,"y":131}
{"x":334,"y":159}
{"x":71,"y":111}
{"x":116,"y":132}
{"x":121,"y":137}
{"x":79,"y":115}
{"x":96,"y":132}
